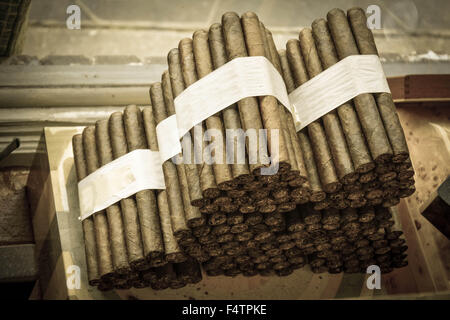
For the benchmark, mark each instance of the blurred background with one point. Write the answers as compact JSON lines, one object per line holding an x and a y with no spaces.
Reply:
{"x":148,"y":29}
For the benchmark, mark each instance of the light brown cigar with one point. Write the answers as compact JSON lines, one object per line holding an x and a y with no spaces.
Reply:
{"x":268,"y":105}
{"x":88,"y":223}
{"x":230,"y":115}
{"x":357,"y":146}
{"x":335,"y":136}
{"x":177,"y":85}
{"x":130,"y":215}
{"x":324,"y":161}
{"x":386,"y":107}
{"x":204,"y":66}
{"x":113,"y":212}
{"x":365,"y":104}
{"x":248,"y":108}
{"x":175,"y":176}
{"x":105,"y":264}
{"x":146,"y":201}
{"x":291,"y":139}
{"x":207,"y":179}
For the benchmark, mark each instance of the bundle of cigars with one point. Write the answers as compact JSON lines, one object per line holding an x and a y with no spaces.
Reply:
{"x":326,"y":207}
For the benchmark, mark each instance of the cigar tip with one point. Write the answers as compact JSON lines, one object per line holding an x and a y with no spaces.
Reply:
{"x":291,"y":42}
{"x":173,"y":52}
{"x":249,"y":15}
{"x":115,"y":115}
{"x":200,"y":33}
{"x":185,"y":41}
{"x":355,"y":10}
{"x":335,"y":12}
{"x":305,"y":32}
{"x":318,"y":21}
{"x":215,"y":26}
{"x":230,"y":15}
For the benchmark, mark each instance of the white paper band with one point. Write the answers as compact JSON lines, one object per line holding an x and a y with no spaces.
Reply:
{"x":336,"y":85}
{"x":168,"y":138}
{"x":136,"y":171}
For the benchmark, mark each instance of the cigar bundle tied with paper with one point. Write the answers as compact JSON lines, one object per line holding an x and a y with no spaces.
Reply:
{"x":242,"y":165}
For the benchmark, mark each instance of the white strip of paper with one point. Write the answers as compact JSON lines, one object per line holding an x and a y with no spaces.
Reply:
{"x":136,"y":171}
{"x":336,"y":85}
{"x":238,"y":79}
{"x":168,"y":138}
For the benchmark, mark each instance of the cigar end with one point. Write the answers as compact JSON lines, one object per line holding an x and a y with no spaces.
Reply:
{"x":335,"y":12}
{"x":249,"y":15}
{"x":355,"y":10}
{"x":200,"y":33}
{"x":173,"y":54}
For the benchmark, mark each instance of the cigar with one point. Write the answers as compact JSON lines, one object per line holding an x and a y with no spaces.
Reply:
{"x":129,"y":210}
{"x":386,"y":107}
{"x":172,"y":251}
{"x":268,"y":105}
{"x":248,"y":107}
{"x":182,"y":213}
{"x":204,"y":66}
{"x":88,"y":223}
{"x":230,"y":115}
{"x":361,"y":158}
{"x":146,"y":201}
{"x":104,"y":256}
{"x":176,"y":82}
{"x":335,"y":135}
{"x":207,"y":180}
{"x":113,"y":212}
{"x":365,"y":104}
{"x":322,"y":154}
{"x":298,"y":170}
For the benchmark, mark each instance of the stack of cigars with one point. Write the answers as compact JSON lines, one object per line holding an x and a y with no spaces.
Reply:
{"x":327,"y":206}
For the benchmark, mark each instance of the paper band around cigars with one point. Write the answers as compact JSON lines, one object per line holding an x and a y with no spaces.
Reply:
{"x":135,"y":171}
{"x":238,"y":79}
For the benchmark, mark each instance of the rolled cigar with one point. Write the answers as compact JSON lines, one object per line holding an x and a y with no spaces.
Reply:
{"x":105,"y":264}
{"x":361,"y":158}
{"x":317,"y":192}
{"x":294,"y":220}
{"x":204,"y":66}
{"x":130,"y":216}
{"x":386,"y":107}
{"x":176,"y":83}
{"x":268,"y":105}
{"x":334,"y":133}
{"x":298,"y":170}
{"x":230,"y":115}
{"x":207,"y":179}
{"x":146,"y":201}
{"x":321,"y":150}
{"x":248,"y":108}
{"x":175,"y":175}
{"x":365,"y":104}
{"x":88,"y":223}
{"x":172,"y":250}
{"x":189,"y":271}
{"x":296,"y":143}
{"x":113,"y":213}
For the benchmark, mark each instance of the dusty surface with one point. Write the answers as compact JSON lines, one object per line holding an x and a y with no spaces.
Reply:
{"x":15,"y":226}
